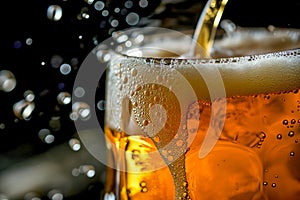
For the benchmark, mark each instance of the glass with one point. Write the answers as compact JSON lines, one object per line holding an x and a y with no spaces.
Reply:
{"x":224,"y":127}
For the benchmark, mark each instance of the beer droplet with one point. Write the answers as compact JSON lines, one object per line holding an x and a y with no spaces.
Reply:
{"x":170,"y":158}
{"x":135,"y":104}
{"x":273,"y":184}
{"x":292,"y":153}
{"x":143,"y":184}
{"x":54,"y":12}
{"x":164,"y":152}
{"x":291,"y":134}
{"x":144,"y":189}
{"x":156,"y":99}
{"x":125,"y":80}
{"x":133,"y":72}
{"x":267,"y":97}
{"x":279,"y":136}
{"x":285,"y":122}
{"x":265,"y":183}
{"x":154,"y":86}
{"x":185,"y":184}
{"x":157,"y":139}
{"x":145,"y":122}
{"x":179,"y":143}
{"x":146,"y":92}
{"x":293,"y":121}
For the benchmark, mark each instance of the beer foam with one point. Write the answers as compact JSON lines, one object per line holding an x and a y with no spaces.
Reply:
{"x":247,"y":41}
{"x":201,"y":79}
{"x":250,"y":75}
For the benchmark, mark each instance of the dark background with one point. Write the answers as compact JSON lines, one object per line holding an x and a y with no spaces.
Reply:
{"x":71,"y":39}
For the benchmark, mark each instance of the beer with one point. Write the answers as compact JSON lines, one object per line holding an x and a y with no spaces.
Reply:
{"x":220,"y":128}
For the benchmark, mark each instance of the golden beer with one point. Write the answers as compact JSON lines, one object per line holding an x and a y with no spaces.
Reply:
{"x":226,"y":127}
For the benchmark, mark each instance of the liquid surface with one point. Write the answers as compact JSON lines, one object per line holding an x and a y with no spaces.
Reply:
{"x":159,"y":112}
{"x":256,"y":156}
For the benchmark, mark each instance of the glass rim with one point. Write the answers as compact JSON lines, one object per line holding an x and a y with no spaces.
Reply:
{"x":249,"y":32}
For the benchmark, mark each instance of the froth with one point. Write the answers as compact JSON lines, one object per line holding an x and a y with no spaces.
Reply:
{"x":248,"y":41}
{"x":250,"y":75}
{"x":198,"y":79}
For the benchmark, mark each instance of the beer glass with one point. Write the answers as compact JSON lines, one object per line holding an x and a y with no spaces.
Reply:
{"x":223,"y":127}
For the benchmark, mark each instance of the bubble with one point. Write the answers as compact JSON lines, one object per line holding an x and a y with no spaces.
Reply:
{"x":64,"y":98}
{"x":81,"y":110}
{"x":128,"y":4}
{"x":2,"y":126}
{"x":146,"y":92}
{"x":132,"y":19}
{"x":54,"y":123}
{"x":84,"y":13}
{"x":179,"y":143}
{"x":273,"y":185}
{"x":74,"y":62}
{"x":292,"y":153}
{"x":103,"y":55}
{"x":144,"y":190}
{"x":30,"y":196}
{"x":143,"y":184}
{"x":117,"y":10}
{"x":265,"y":183}
{"x":99,"y":5}
{"x":125,"y":80}
{"x":54,"y":12}
{"x":145,"y":122}
{"x":139,"y":38}
{"x":75,"y":172}
{"x":90,"y":1}
{"x":279,"y":136}
{"x":185,"y":184}
{"x":28,"y":41}
{"x":29,"y":95}
{"x":114,"y":23}
{"x":7,"y":81}
{"x":157,"y":139}
{"x":285,"y":122}
{"x":88,"y":170}
{"x":65,"y":69}
{"x":293,"y":121}
{"x":55,"y":195}
{"x":17,"y":44}
{"x":23,"y":109}
{"x":143,"y":3}
{"x":156,"y":99}
{"x":291,"y":134}
{"x":75,"y":144}
{"x":133,"y":72}
{"x":170,"y":158}
{"x":101,"y":105}
{"x":56,"y":61}
{"x":46,"y":136}
{"x":105,"y":13}
{"x":79,"y":92}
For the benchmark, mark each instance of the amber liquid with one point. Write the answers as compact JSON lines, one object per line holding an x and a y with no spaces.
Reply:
{"x":255,"y":157}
